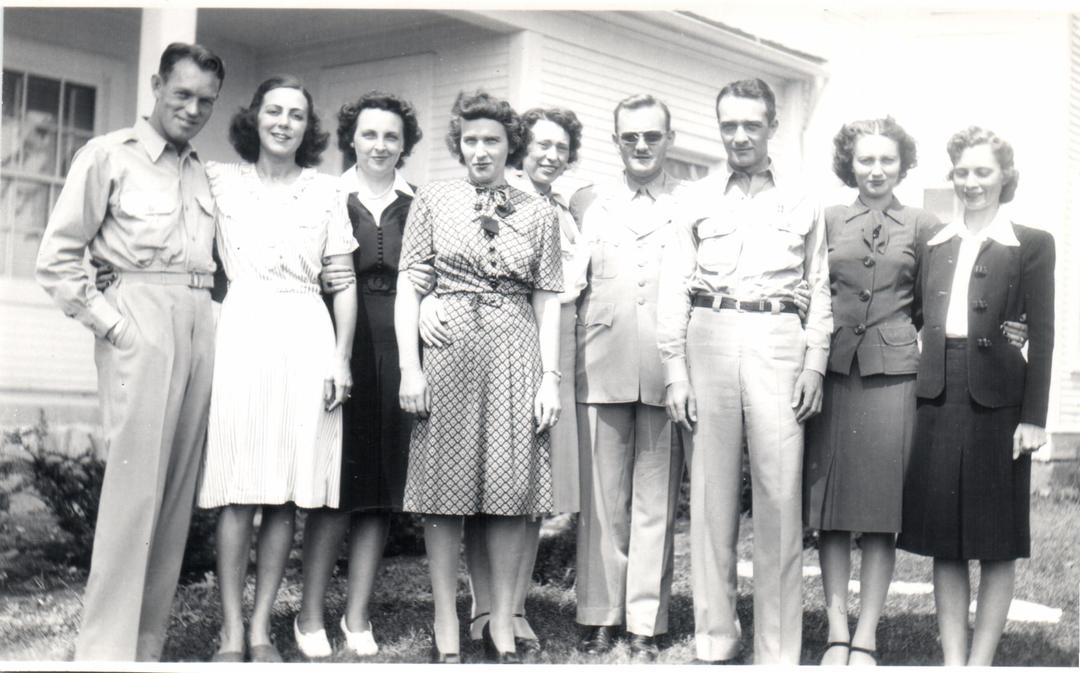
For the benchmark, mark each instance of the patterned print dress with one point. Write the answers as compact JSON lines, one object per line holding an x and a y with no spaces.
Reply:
{"x":270,"y":441}
{"x":478,"y":451}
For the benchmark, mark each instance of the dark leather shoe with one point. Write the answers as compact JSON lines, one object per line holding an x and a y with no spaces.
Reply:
{"x":643,"y":648}
{"x":598,"y":639}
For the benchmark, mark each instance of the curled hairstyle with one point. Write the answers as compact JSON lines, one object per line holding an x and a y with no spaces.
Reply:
{"x":482,"y":105}
{"x":565,"y":119}
{"x":844,"y":146}
{"x":750,"y":88}
{"x":1003,"y":152}
{"x":207,"y":60}
{"x":378,"y":100}
{"x":638,"y":101}
{"x":244,"y":128}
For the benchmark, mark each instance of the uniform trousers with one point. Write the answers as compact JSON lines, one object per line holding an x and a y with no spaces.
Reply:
{"x":631,"y":467}
{"x":743,"y":368}
{"x":155,"y":394}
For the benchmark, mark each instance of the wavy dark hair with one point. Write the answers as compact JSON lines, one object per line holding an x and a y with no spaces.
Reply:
{"x":844,"y":146}
{"x":244,"y":128}
{"x":565,"y":119}
{"x":642,"y":100}
{"x":750,"y":88}
{"x":205,"y":59}
{"x":482,"y":105}
{"x":1003,"y":152}
{"x":378,"y":100}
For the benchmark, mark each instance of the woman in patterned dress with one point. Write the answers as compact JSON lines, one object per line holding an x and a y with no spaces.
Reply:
{"x":487,"y":400}
{"x":280,"y":377}
{"x":376,"y":133}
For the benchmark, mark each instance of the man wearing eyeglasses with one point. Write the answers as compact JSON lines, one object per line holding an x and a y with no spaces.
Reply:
{"x":630,"y":467}
{"x":739,"y":363}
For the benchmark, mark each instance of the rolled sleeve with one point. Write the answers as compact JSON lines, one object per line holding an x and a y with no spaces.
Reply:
{"x":819,"y":320}
{"x":76,"y":219}
{"x":673,"y":301}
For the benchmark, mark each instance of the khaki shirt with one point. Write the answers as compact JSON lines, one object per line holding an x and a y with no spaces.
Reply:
{"x":625,"y":228}
{"x":135,"y":204}
{"x":759,"y":245}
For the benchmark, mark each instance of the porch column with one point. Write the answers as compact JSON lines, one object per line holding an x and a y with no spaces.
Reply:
{"x":526,"y":63}
{"x":160,"y":28}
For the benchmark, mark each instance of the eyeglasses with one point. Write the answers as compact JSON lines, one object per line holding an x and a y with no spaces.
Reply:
{"x":631,"y":138}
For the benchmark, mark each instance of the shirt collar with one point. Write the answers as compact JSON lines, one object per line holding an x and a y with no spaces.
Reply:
{"x":1000,"y":229}
{"x":154,"y":144}
{"x":661,"y":184}
{"x":351,"y":182}
{"x":726,"y":172}
{"x":517,"y":177}
{"x":893,"y":210}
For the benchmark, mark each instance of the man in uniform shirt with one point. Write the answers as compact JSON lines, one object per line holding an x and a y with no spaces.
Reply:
{"x":630,"y":467}
{"x":139,"y":201}
{"x":738,"y":362}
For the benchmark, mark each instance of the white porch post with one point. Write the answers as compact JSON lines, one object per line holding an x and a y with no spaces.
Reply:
{"x":160,"y":27}
{"x":526,"y":62}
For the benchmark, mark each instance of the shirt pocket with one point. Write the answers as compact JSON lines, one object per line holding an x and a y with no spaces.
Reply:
{"x":605,"y":259}
{"x":899,"y":350}
{"x":597,"y":314}
{"x":153,"y":221}
{"x":719,"y":246}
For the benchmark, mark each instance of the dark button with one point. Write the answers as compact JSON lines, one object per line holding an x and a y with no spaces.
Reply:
{"x":494,"y":282}
{"x":868,"y":261}
{"x":877,"y":232}
{"x":864,"y":295}
{"x":980,"y":305}
{"x":983,"y":342}
{"x":980,"y":271}
{"x":491,"y":248}
{"x":494,"y":263}
{"x":860,"y":329}
{"x":478,"y":206}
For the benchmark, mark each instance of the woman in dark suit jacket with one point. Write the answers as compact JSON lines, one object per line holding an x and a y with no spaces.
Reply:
{"x":982,"y":406}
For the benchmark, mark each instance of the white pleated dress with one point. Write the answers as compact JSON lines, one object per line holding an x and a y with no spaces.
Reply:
{"x":270,"y":441}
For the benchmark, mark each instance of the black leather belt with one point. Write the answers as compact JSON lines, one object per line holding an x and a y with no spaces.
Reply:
{"x":754,"y":306}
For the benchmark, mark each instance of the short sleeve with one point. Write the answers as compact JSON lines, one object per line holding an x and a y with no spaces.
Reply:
{"x":548,"y":271}
{"x":339,"y":232}
{"x":418,"y":242}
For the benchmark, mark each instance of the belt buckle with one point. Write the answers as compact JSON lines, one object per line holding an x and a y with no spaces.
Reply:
{"x":194,"y":280}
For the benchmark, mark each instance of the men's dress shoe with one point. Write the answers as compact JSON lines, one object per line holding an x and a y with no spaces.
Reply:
{"x":228,"y":658}
{"x":643,"y":647}
{"x":314,"y":645}
{"x":361,"y":642}
{"x":265,"y":654}
{"x":598,"y":640}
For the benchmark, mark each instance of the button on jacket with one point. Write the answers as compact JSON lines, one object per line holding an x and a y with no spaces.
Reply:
{"x":757,"y":246}
{"x":1013,"y":274}
{"x":872,"y":269}
{"x":625,"y":228}
{"x":122,"y":200}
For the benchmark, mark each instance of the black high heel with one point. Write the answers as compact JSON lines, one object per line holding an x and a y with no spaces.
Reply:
{"x":438,"y":657}
{"x":473,"y":621}
{"x":492,"y":652}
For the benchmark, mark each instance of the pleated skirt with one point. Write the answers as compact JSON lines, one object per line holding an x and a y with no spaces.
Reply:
{"x":270,"y":441}
{"x":857,"y":451}
{"x":965,"y":497}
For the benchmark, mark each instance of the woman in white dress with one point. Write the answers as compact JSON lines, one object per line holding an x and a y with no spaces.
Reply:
{"x":279,"y":377}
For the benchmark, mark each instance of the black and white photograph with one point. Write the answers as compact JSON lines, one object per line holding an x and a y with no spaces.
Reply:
{"x":512,"y":333}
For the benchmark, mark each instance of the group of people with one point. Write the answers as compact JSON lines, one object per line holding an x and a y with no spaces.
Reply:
{"x":487,"y":350}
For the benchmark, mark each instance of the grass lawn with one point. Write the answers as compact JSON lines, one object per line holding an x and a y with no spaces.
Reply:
{"x":40,"y":605}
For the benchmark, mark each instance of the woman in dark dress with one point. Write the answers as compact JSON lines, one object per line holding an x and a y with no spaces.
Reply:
{"x":377,"y":133}
{"x":982,"y":405}
{"x":486,"y":401}
{"x":856,"y":450}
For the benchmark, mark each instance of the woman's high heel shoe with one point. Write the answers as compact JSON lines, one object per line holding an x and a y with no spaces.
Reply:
{"x":493,"y":654}
{"x":439,"y":657}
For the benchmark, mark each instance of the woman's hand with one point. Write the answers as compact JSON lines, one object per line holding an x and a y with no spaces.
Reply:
{"x":338,"y":388}
{"x":105,"y":274}
{"x":335,"y":277}
{"x":1028,"y":438}
{"x":433,"y":330}
{"x":422,"y":276}
{"x":414,"y":395}
{"x":546,"y":407}
{"x":1016,"y":332}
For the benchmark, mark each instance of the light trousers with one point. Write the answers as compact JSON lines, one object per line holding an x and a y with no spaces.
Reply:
{"x":155,"y":394}
{"x":631,"y":466}
{"x":743,"y":368}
